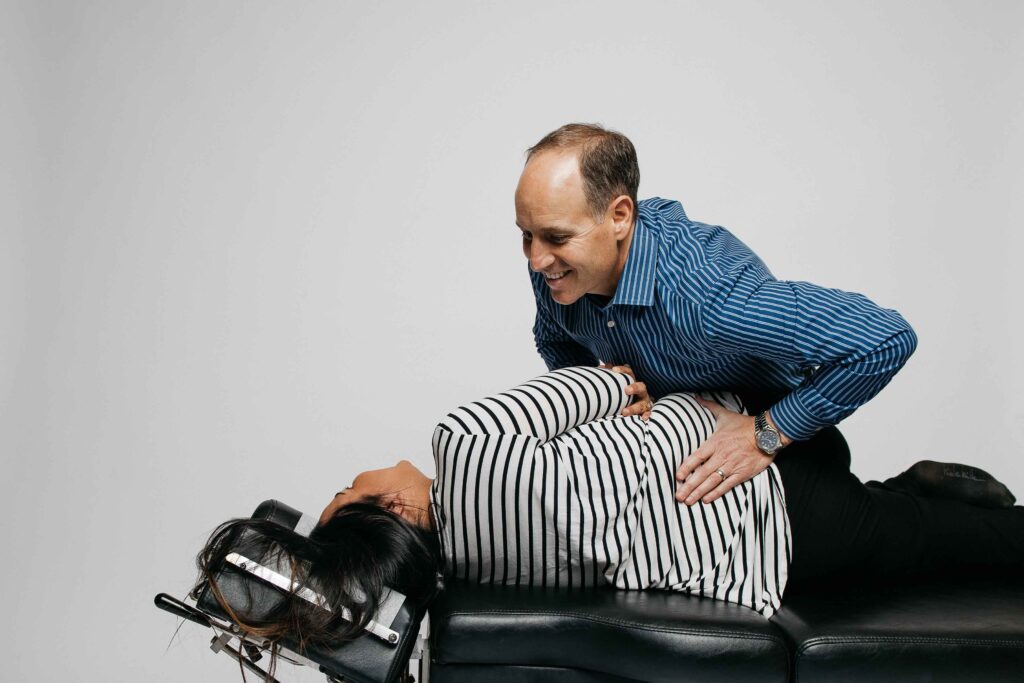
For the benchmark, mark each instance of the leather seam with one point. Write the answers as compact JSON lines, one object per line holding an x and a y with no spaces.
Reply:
{"x":921,"y":640}
{"x":637,"y":626}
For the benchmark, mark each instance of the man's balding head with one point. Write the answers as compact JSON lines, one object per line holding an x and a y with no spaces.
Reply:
{"x":606,"y":161}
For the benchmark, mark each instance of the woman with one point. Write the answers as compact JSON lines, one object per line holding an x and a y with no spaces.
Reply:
{"x":546,"y":484}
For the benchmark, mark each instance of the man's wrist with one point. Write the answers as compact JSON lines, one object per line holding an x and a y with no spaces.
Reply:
{"x":785,"y":440}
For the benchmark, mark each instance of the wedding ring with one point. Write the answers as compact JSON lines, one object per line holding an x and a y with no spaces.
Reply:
{"x":721,"y":473}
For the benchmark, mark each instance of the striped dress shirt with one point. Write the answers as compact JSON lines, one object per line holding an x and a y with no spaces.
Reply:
{"x":695,"y":309}
{"x":546,"y":484}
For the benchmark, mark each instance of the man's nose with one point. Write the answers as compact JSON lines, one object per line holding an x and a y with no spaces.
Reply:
{"x":540,"y":258}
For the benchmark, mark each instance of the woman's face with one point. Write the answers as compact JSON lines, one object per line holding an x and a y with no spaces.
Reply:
{"x":402,"y":483}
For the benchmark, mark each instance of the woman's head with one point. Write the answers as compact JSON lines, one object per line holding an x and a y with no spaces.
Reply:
{"x":402,"y":488}
{"x":356,"y":553}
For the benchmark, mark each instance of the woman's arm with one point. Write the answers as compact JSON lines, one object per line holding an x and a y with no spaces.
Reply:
{"x":546,"y":406}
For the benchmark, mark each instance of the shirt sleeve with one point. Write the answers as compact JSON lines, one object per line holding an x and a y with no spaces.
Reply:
{"x":544,"y":407}
{"x":554,"y":344}
{"x":851,"y":346}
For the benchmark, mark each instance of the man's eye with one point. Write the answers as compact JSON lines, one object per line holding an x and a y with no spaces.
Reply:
{"x":558,"y":239}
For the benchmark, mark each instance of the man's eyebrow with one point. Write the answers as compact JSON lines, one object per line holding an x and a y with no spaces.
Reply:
{"x":544,"y":229}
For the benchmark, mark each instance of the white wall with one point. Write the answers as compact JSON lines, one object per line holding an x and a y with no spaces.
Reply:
{"x":252,"y":248}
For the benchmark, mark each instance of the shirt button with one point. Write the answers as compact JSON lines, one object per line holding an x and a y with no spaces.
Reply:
{"x":611,"y":323}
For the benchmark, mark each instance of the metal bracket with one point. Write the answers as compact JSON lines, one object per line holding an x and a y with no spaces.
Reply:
{"x":222,"y":643}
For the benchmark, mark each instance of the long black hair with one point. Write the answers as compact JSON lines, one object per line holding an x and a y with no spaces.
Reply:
{"x":350,"y":560}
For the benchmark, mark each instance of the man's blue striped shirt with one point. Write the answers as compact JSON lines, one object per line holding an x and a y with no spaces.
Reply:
{"x":695,"y":309}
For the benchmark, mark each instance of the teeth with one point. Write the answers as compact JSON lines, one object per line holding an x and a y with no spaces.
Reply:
{"x":556,"y":276}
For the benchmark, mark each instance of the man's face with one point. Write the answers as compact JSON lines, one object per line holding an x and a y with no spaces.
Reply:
{"x":561,"y":239}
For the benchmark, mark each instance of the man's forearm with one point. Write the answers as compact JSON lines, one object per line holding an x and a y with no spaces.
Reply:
{"x":834,"y":392}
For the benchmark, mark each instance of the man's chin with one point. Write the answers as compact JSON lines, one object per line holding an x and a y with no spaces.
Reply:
{"x":565,"y":298}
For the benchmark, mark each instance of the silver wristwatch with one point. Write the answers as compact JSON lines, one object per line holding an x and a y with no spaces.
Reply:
{"x":767,"y":438}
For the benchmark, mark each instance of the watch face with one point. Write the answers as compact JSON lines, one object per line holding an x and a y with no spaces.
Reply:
{"x":767,"y":441}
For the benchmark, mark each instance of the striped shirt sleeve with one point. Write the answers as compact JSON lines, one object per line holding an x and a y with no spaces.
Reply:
{"x":851,"y":346}
{"x":497,"y":474}
{"x":546,"y":406}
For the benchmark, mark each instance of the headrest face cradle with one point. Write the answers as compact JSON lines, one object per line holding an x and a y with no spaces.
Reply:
{"x":257,"y":588}
{"x":389,"y":607}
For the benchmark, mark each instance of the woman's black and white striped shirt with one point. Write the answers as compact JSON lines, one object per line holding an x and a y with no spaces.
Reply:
{"x":547,"y":484}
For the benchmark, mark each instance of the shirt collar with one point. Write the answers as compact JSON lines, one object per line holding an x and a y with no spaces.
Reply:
{"x":636,"y":284}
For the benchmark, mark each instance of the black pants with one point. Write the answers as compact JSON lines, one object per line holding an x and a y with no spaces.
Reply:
{"x":841,"y":526}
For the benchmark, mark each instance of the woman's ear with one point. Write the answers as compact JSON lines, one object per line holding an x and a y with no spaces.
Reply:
{"x":409,"y":513}
{"x":391,"y":503}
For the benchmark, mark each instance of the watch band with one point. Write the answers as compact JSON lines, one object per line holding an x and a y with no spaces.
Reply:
{"x":761,"y":425}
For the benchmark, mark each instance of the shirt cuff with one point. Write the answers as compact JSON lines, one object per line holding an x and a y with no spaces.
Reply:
{"x":793,"y":419}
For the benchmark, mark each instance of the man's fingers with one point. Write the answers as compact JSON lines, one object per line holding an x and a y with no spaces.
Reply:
{"x":624,"y":369}
{"x":695,"y":460}
{"x":686,"y":489}
{"x":686,"y":468}
{"x":636,"y":389}
{"x":720,"y":490}
{"x":641,"y":408}
{"x":700,"y":471}
{"x":712,"y":480}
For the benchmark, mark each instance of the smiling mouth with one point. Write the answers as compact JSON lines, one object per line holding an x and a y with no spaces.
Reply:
{"x":556,"y":276}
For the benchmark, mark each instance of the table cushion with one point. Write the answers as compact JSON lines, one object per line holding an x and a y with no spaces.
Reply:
{"x":969,"y":628}
{"x":643,"y":635}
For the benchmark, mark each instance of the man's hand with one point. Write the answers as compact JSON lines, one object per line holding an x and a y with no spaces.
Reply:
{"x":642,"y":403}
{"x":728,"y":458}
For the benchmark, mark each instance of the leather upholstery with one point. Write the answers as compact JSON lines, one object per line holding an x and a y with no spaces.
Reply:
{"x":648,"y":635}
{"x":938,"y":630}
{"x":474,"y":673}
{"x":948,"y":630}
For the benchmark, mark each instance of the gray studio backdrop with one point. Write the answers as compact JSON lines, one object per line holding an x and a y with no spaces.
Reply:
{"x":253,"y":248}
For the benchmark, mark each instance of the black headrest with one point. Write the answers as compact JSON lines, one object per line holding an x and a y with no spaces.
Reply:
{"x":249,"y":589}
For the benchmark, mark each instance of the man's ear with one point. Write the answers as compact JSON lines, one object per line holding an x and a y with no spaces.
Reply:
{"x":622,"y":211}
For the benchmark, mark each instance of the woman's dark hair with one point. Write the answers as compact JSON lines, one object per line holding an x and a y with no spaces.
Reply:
{"x":350,"y":560}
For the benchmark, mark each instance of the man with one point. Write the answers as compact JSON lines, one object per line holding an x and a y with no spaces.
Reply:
{"x":688,"y":307}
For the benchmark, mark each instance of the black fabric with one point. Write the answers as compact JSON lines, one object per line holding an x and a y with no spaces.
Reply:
{"x":950,"y":480}
{"x":841,"y":526}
